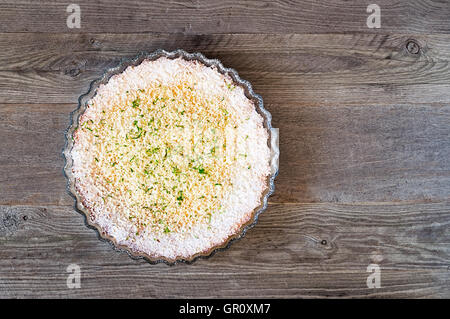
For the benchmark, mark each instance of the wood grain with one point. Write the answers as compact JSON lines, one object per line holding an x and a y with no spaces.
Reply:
{"x":364,"y":136}
{"x":285,"y":255}
{"x":283,"y":68}
{"x":226,"y":16}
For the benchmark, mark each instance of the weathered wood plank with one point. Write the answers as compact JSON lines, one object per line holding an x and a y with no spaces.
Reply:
{"x":283,"y":256}
{"x":226,"y":16}
{"x":32,"y":138}
{"x":363,"y":153}
{"x":57,"y":68}
{"x":347,"y":153}
{"x":53,"y":51}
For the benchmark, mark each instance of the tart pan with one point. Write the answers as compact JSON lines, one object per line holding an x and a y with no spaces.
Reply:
{"x":255,"y":98}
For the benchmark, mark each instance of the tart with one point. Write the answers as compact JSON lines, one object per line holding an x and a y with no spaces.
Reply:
{"x":170,"y":159}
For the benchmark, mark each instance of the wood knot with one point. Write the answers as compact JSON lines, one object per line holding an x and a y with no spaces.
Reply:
{"x":73,"y":72}
{"x":412,"y":47}
{"x":95,"y":43}
{"x":75,"y":67}
{"x":376,"y":256}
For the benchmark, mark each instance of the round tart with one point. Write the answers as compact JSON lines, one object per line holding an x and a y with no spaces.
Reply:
{"x":170,"y":158}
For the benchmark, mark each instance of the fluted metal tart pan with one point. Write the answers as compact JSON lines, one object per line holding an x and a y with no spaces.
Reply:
{"x":255,"y":98}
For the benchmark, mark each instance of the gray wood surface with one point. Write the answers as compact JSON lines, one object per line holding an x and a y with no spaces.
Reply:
{"x":226,"y":16}
{"x":364,"y":136}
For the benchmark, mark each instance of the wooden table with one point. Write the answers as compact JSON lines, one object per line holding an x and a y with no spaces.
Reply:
{"x":364,"y":119}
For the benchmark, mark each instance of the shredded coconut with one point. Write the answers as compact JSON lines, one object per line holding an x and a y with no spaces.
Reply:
{"x":170,"y":158}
